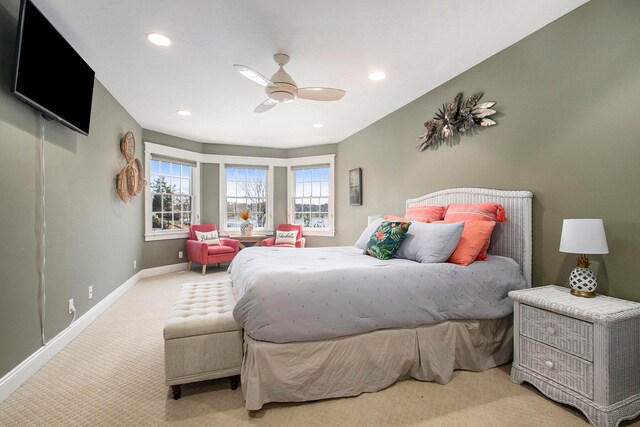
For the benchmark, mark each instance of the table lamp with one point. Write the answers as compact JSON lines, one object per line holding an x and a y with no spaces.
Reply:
{"x":583,"y":236}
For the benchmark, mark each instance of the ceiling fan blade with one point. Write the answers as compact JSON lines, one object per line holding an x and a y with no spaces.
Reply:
{"x":265,"y":106}
{"x":320,"y":93}
{"x":253,"y":75}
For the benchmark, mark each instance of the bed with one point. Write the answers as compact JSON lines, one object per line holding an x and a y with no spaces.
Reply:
{"x":331,"y":322}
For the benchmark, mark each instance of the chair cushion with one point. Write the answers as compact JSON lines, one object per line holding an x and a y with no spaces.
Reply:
{"x":283,"y":245}
{"x":217,"y":250}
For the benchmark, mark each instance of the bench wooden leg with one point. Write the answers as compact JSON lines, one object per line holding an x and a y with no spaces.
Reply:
{"x":175,"y":389}
{"x":204,"y":269}
{"x":234,"y":381}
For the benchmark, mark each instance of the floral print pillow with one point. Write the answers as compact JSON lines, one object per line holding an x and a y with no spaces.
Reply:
{"x":386,"y":240}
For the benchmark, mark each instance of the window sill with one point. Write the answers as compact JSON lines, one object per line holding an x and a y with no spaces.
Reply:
{"x":317,"y":233}
{"x":166,"y":235}
{"x":236,"y":233}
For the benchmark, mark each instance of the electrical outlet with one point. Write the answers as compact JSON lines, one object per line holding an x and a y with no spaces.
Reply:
{"x":72,"y":307}
{"x":180,"y":254}
{"x":90,"y":292}
{"x":135,"y":263}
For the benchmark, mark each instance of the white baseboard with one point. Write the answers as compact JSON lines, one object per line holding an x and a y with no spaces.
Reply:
{"x":171,"y":268}
{"x":21,"y":373}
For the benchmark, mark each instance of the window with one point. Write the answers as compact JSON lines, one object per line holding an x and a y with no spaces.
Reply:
{"x":171,"y":187}
{"x":171,"y":201}
{"x":246,"y":190}
{"x":311,"y":195}
{"x":311,"y":199}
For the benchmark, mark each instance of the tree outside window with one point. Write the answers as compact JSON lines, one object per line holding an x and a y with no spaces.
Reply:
{"x":171,"y":195}
{"x":246,"y":190}
{"x":311,"y":197}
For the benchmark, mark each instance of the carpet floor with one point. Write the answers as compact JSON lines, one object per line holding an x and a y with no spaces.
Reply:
{"x":112,"y":374}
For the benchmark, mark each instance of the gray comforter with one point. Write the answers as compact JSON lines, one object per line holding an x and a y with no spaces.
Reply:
{"x":287,"y":295}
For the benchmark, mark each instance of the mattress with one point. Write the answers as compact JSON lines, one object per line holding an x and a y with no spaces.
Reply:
{"x":290,"y":295}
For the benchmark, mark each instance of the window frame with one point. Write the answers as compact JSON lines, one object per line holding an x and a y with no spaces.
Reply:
{"x":162,"y":152}
{"x":268,"y":228}
{"x":305,"y":163}
{"x":246,"y":163}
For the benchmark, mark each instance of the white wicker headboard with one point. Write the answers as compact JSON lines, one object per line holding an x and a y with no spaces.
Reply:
{"x":511,"y":238}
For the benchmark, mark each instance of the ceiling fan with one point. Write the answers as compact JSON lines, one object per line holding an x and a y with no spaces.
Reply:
{"x":282,"y":89}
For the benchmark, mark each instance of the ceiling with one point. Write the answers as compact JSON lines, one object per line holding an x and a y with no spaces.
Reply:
{"x":419,"y":44}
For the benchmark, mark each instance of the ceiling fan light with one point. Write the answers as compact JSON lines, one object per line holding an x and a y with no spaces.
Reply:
{"x":377,"y":75}
{"x":184,"y":112}
{"x":318,"y":125}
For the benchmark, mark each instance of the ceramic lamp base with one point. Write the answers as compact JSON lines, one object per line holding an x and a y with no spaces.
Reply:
{"x":583,"y":294}
{"x":583,"y":282}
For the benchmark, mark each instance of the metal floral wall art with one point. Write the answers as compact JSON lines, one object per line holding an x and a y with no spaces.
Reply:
{"x":458,"y":115}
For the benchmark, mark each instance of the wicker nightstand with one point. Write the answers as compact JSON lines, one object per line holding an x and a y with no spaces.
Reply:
{"x":584,"y":352}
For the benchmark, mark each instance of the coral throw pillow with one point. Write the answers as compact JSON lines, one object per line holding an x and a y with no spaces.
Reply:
{"x":475,"y":236}
{"x":425,"y":213}
{"x":401,"y":219}
{"x":477,"y":211}
{"x":386,"y":240}
{"x":209,"y":237}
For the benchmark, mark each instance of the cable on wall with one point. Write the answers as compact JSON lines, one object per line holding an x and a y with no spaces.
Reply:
{"x":42,"y":234}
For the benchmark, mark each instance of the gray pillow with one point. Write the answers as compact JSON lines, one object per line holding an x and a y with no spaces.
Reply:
{"x":366,"y":234}
{"x":427,"y":243}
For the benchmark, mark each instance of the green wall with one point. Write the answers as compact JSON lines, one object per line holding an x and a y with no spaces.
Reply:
{"x":568,"y":100}
{"x":92,"y":236}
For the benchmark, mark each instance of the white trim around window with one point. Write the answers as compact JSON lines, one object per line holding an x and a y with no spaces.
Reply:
{"x":152,"y":150}
{"x":159,"y":150}
{"x":268,"y":229}
{"x":302,"y":162}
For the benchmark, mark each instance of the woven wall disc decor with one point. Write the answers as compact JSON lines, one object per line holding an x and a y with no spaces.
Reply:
{"x":130,"y":181}
{"x":125,"y":182}
{"x":140,"y":182}
{"x":128,"y":146}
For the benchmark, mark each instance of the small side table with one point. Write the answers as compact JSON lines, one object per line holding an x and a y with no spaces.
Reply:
{"x":584,"y":352}
{"x":256,"y":239}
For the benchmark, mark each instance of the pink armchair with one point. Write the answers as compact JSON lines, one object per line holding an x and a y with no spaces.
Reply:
{"x":204,"y":254}
{"x":271,"y":241}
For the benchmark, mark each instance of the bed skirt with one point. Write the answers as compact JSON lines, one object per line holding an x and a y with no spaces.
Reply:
{"x":349,"y":366}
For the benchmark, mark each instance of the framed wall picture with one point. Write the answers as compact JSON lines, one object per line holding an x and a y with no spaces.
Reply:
{"x":355,"y":187}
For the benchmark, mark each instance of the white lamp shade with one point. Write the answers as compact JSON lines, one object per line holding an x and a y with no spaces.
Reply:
{"x":583,"y":236}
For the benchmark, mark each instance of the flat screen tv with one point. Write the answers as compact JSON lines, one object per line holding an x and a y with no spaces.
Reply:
{"x":49,"y":74}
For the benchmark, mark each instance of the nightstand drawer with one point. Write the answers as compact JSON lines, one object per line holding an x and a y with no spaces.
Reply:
{"x":571,"y":335}
{"x":570,"y":371}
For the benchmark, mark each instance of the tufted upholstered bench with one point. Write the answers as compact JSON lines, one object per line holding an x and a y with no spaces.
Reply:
{"x":201,"y":339}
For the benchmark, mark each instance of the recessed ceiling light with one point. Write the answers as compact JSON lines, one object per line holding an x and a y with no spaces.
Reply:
{"x":377,"y":75}
{"x":184,"y":112}
{"x":318,"y":125}
{"x":158,"y":39}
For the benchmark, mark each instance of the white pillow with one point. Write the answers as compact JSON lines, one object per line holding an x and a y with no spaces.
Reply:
{"x":428,"y":243}
{"x":366,"y":234}
{"x":286,"y":237}
{"x":209,"y":237}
